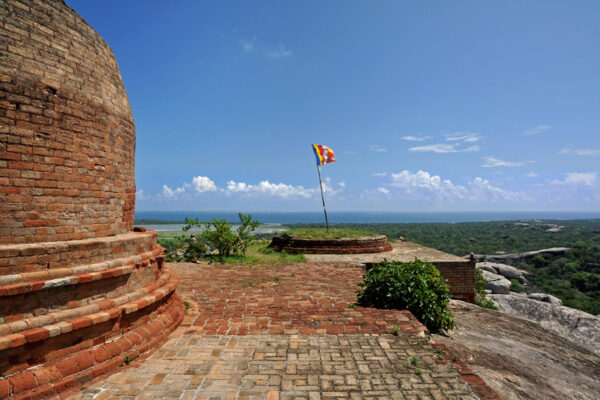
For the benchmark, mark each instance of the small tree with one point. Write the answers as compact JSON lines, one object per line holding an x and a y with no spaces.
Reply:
{"x":218,"y":233}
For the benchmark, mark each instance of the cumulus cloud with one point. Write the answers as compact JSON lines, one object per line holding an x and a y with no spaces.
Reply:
{"x":444,"y":148}
{"x":537,"y":129}
{"x":423,"y":186}
{"x":490,"y":162}
{"x":532,"y":175}
{"x":203,"y":184}
{"x":416,"y":138}
{"x":581,"y":152}
{"x":171,"y":194}
{"x":578,"y":178}
{"x":267,"y":188}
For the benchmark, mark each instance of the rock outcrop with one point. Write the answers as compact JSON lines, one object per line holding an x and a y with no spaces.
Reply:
{"x":497,"y":284}
{"x":522,"y":257}
{"x":575,"y":325}
{"x":520,"y":359}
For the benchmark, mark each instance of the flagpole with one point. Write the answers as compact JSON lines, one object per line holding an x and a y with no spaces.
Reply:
{"x":323,"y":198}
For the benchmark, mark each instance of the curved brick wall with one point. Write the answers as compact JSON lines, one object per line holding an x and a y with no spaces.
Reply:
{"x":67,"y":135}
{"x":81,"y":292}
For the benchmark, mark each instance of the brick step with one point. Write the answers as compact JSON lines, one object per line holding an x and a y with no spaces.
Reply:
{"x":15,"y":284}
{"x":36,"y":261}
{"x":80,"y":367}
{"x":38,"y":328}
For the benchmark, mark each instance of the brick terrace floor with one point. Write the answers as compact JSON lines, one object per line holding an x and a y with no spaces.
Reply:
{"x":285,"y":332}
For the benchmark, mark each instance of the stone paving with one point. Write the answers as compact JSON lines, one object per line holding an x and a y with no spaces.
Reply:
{"x":286,"y":332}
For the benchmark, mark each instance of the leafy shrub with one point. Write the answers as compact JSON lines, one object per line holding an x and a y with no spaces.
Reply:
{"x":416,"y":286}
{"x":516,"y":286}
{"x":218,"y":233}
{"x":194,"y":250}
{"x":481,"y":298}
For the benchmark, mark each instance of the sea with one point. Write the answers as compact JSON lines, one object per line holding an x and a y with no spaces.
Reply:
{"x":365,"y":217}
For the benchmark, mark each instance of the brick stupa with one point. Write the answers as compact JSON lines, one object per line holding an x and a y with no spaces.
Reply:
{"x":81,"y":291}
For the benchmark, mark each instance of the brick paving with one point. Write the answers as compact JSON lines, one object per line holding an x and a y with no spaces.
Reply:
{"x":286,"y":332}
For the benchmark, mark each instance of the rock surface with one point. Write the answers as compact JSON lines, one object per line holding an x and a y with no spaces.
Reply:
{"x":496,"y":283}
{"x":546,"y":298}
{"x":522,"y":257}
{"x":575,"y":325}
{"x":507,"y":271}
{"x":520,"y":359}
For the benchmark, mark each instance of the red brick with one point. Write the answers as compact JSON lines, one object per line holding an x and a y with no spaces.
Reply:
{"x":5,"y":388}
{"x":36,"y":334}
{"x":23,"y":382}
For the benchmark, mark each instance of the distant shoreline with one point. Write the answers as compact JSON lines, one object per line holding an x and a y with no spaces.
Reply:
{"x":341,"y":217}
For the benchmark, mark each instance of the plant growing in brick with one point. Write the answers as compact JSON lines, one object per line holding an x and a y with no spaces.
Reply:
{"x":417,"y":286}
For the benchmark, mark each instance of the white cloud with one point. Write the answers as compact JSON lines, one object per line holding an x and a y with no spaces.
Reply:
{"x":140,"y":195}
{"x":416,"y":138}
{"x":172,"y":194}
{"x":203,"y":184}
{"x":578,"y":178}
{"x":378,"y":148}
{"x":423,"y":185}
{"x":380,"y":174}
{"x":490,"y":162}
{"x":279,"y":52}
{"x":444,"y":148}
{"x":581,"y":152}
{"x":468,"y":137}
{"x":537,"y":129}
{"x":532,"y":175}
{"x":270,"y":189}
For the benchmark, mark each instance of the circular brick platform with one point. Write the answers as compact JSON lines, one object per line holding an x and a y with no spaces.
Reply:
{"x":367,"y":244}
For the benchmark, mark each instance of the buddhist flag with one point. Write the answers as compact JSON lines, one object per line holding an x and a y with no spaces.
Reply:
{"x":323,"y":154}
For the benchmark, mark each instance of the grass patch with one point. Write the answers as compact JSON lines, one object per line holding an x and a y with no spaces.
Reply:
{"x":258,"y":252}
{"x":334,"y":233}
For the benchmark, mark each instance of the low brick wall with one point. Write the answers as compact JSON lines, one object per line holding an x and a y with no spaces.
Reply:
{"x":460,"y":277}
{"x":374,"y":244}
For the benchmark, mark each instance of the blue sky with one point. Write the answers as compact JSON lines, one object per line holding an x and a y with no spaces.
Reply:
{"x":429,"y":106}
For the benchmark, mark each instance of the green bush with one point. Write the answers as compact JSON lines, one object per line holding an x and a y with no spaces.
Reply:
{"x":516,"y":286}
{"x":218,"y":233}
{"x":417,"y":287}
{"x":194,"y":251}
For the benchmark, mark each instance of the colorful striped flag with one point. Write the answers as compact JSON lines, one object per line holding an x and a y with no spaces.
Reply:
{"x":323,"y":154}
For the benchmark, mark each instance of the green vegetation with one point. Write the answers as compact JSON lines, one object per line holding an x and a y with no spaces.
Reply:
{"x":258,"y":253}
{"x":573,"y":277}
{"x":516,"y":286}
{"x":481,"y":298}
{"x":321,"y":233}
{"x":416,"y":286}
{"x":218,"y":233}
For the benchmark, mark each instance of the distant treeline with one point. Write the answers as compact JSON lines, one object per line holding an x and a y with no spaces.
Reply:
{"x":155,"y":222}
